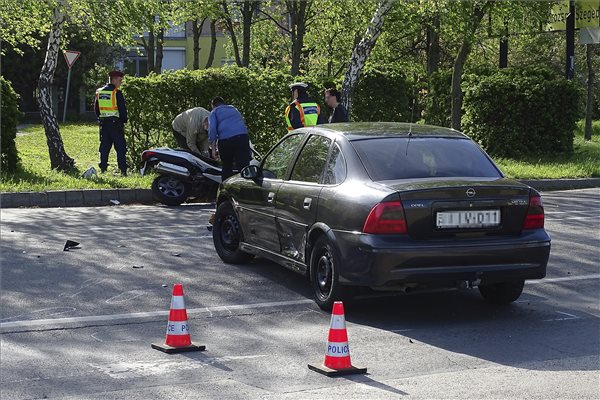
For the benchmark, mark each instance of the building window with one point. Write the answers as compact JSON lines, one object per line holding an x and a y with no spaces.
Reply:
{"x":136,"y":63}
{"x":173,"y":59}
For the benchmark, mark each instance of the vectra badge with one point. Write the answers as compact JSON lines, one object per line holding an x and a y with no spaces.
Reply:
{"x":471,"y":192}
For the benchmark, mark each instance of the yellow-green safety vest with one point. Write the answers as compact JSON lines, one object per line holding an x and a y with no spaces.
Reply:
{"x":107,"y":103}
{"x":309,"y":114}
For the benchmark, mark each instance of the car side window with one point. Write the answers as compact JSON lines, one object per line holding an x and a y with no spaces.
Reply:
{"x":277,"y":161}
{"x":312,"y":159}
{"x":335,"y":170}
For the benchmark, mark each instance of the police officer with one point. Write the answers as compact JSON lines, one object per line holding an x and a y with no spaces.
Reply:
{"x":112,"y":115}
{"x":303,"y":111}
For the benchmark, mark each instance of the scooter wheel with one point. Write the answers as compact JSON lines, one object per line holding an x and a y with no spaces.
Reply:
{"x":169,"y":190}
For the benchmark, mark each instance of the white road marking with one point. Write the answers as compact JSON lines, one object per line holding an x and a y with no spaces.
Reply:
{"x":125,"y":296}
{"x":207,"y":310}
{"x":53,"y":311}
{"x":564,"y":279}
{"x":142,"y":315}
{"x":567,"y":318}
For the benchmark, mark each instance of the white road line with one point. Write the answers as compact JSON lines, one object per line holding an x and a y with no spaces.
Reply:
{"x":141,"y":315}
{"x":206,"y":310}
{"x":564,"y":279}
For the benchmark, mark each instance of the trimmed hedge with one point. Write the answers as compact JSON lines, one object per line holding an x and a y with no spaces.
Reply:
{"x":10,"y":116}
{"x":515,"y":112}
{"x":261,"y":97}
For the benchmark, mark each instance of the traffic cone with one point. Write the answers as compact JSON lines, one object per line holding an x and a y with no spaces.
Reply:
{"x":337,"y":356}
{"x":178,"y":338}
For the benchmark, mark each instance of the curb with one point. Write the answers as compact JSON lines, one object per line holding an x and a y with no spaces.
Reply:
{"x":76,"y":198}
{"x":104,"y":197}
{"x":561,"y":184}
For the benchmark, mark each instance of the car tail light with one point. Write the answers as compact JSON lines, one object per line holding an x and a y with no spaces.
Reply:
{"x":387,"y":218}
{"x":147,"y":154}
{"x":535,"y":213}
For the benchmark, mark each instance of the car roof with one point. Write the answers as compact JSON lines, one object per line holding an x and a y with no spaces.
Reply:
{"x":367,"y":130}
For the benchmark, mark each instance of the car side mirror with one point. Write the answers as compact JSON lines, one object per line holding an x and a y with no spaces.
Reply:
{"x":250,"y":172}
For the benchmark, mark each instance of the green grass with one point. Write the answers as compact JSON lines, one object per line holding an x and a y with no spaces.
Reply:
{"x":81,"y":142}
{"x":583,"y":163}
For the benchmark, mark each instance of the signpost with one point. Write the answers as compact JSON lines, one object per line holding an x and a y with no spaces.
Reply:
{"x":70,"y":57}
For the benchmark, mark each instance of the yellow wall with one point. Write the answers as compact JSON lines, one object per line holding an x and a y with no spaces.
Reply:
{"x":188,"y":44}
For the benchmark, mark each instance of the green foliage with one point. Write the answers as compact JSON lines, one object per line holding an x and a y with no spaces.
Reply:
{"x":438,"y":100}
{"x":10,"y":114}
{"x":517,"y":112}
{"x":384,"y":96}
{"x":261,"y":97}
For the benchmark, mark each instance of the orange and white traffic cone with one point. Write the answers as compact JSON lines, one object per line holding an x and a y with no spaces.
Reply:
{"x":337,"y":356}
{"x":178,"y":338}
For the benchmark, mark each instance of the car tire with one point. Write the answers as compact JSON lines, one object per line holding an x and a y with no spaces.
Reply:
{"x":324,"y":275}
{"x":169,"y":190}
{"x":502,"y":293}
{"x":227,"y":235}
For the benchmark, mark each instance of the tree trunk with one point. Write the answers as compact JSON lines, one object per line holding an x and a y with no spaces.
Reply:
{"x":197,"y":32}
{"x":231,"y":30}
{"x":248,"y":10}
{"x":590,"y":92}
{"x":58,"y":157}
{"x":459,"y":64}
{"x":159,"y":50}
{"x":297,"y":12}
{"x":433,"y":45}
{"x":150,"y":51}
{"x":213,"y":44}
{"x":362,"y":50}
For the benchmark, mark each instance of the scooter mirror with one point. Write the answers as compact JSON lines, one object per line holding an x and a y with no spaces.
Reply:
{"x":249,"y":172}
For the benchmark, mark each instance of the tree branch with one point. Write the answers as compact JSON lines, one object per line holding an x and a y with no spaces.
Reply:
{"x":275,"y":21}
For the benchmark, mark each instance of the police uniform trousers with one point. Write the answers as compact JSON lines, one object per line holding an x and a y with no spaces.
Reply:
{"x":112,"y":133}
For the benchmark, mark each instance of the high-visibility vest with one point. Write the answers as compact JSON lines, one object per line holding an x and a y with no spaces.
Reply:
{"x":309,"y":114}
{"x":107,"y":103}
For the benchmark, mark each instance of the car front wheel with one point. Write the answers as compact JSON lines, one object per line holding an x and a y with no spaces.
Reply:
{"x":502,"y":293}
{"x":227,"y":235}
{"x":324,"y":274}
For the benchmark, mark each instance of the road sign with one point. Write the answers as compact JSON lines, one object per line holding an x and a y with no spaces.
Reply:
{"x":587,"y":15}
{"x":71,"y":56}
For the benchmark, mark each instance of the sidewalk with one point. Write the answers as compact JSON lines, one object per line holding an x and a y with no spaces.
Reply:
{"x":107,"y":197}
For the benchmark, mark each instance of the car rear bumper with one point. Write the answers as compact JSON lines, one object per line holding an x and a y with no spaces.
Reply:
{"x":379,"y":261}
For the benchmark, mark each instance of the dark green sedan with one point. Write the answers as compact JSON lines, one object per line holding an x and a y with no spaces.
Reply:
{"x":390,"y":206}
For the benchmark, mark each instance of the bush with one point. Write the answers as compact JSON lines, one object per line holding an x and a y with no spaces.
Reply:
{"x":514,"y":112}
{"x":261,"y":97}
{"x":10,"y":115}
{"x":384,"y":96}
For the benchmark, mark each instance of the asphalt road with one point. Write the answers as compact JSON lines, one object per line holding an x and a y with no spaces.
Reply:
{"x":79,"y":324}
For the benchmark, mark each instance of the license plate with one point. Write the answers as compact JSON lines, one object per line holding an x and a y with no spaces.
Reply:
{"x":468,"y":219}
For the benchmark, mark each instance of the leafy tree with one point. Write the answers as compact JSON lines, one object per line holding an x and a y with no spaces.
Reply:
{"x":362,"y":50}
{"x":24,"y":21}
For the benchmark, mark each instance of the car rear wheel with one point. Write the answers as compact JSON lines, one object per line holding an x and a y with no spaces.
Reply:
{"x":502,"y":293}
{"x":227,"y":235}
{"x":170,"y":190}
{"x":324,"y":274}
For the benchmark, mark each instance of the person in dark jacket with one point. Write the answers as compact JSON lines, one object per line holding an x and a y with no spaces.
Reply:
{"x":227,"y":129}
{"x":111,"y":111}
{"x":302,"y":111}
{"x":338,"y":113}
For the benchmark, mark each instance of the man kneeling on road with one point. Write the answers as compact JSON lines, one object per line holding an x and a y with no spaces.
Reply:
{"x":190,"y":130}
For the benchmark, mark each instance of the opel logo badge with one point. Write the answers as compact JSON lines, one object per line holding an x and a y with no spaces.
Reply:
{"x":471,"y":192}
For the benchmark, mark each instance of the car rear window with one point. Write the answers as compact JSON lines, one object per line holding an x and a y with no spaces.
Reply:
{"x":400,"y":158}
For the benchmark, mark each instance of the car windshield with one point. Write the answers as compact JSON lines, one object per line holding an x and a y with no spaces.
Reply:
{"x":392,"y":158}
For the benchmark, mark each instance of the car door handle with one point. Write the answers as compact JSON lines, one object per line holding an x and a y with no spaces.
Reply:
{"x":307,"y":203}
{"x":271,"y":197}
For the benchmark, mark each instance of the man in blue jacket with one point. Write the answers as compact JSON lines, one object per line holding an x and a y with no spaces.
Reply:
{"x":227,"y":127}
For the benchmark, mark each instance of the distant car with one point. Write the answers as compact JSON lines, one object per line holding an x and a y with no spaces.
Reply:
{"x":389,"y":206}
